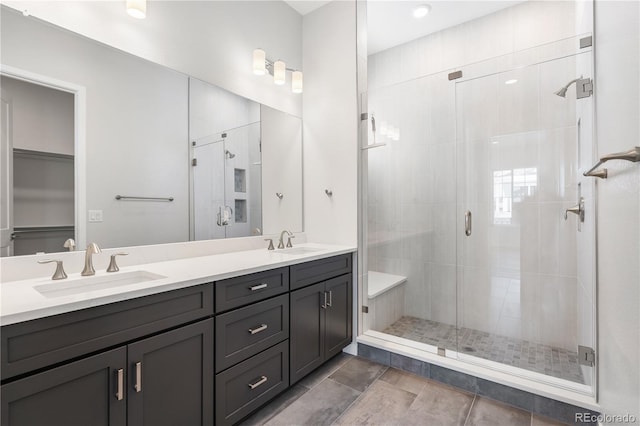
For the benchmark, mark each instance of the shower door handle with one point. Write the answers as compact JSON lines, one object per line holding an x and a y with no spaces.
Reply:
{"x":467,"y":223}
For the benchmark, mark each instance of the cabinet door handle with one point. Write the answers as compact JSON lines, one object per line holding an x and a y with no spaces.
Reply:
{"x":324,"y":305}
{"x":262,"y":380}
{"x":257,"y":330}
{"x":138,"y":384}
{"x":120,"y":384}
{"x":330,"y":299}
{"x":258,"y":286}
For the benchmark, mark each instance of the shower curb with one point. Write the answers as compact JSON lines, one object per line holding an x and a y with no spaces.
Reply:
{"x":528,"y":401}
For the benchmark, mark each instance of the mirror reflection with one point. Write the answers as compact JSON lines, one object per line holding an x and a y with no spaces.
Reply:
{"x":192,"y":155}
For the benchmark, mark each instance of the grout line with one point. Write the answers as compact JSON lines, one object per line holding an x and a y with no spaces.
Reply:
{"x":470,"y":408}
{"x":361,"y":396}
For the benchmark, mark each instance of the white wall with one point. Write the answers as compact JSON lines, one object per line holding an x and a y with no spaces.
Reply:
{"x":136,"y":130}
{"x":330,"y":124}
{"x":617,"y":43}
{"x":281,"y":136}
{"x":210,"y":40}
{"x":42,"y":117}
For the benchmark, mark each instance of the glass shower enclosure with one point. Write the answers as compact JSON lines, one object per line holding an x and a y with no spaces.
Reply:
{"x":479,"y":226}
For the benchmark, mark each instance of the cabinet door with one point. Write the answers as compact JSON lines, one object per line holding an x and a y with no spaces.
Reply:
{"x":338,"y":323}
{"x":306,"y":330}
{"x":171,"y":377}
{"x":81,"y":393}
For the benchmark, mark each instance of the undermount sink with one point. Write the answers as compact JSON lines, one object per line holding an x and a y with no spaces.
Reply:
{"x":300,"y":250}
{"x":87,"y":284}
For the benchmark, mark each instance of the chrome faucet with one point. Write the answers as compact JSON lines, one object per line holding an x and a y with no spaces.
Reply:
{"x":281,"y":242}
{"x":92,"y":249}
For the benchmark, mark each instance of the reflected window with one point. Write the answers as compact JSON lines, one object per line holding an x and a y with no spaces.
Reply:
{"x":511,"y":186}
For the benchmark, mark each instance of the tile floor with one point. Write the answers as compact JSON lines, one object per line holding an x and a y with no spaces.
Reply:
{"x":531,"y":356}
{"x":354,"y":391}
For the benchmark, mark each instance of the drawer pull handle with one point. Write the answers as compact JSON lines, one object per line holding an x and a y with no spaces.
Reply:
{"x":329,"y":303}
{"x":138,"y":384}
{"x":258,"y":287}
{"x":262,"y":380}
{"x":257,"y":330}
{"x":120,"y":384}
{"x":324,"y":305}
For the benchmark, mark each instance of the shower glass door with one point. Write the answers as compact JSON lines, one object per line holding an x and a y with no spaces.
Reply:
{"x":525,"y":266}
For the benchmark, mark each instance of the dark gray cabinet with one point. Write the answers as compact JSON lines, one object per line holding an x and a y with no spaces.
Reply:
{"x":246,"y":386}
{"x":166,"y":379}
{"x":85,"y":392}
{"x":320,"y":324}
{"x":171,"y":377}
{"x":181,"y":357}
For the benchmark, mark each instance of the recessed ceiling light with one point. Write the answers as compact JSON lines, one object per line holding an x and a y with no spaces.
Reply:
{"x":421,"y":11}
{"x":511,"y":81}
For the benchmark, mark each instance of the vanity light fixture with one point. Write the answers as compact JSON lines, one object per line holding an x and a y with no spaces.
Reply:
{"x":421,"y":11}
{"x":278,"y":69}
{"x":137,"y":8}
{"x":296,"y":81}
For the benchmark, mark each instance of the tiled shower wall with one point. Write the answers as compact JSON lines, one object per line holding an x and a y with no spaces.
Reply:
{"x":412,"y":212}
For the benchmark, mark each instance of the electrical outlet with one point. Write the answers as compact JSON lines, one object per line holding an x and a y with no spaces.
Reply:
{"x":95,"y":215}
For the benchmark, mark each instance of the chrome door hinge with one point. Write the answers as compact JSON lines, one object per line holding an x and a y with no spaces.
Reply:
{"x":365,"y":309}
{"x":455,"y":75}
{"x":586,"y":356}
{"x":194,"y":162}
{"x":586,"y":42}
{"x":584,"y":88}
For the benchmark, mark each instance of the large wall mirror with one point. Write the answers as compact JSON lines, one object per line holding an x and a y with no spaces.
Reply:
{"x":101,"y":145}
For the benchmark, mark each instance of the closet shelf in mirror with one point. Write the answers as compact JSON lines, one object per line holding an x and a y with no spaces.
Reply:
{"x":31,"y":153}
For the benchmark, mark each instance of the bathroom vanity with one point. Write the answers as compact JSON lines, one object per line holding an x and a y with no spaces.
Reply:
{"x":208,"y":353}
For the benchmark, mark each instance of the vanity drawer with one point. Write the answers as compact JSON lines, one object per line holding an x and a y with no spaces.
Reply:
{"x":248,"y":385}
{"x":235,"y":292}
{"x":32,"y":345}
{"x":309,"y":273}
{"x":244,"y":332}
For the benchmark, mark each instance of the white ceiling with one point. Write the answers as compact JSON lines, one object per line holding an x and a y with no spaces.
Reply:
{"x":390,"y":23}
{"x":305,"y":6}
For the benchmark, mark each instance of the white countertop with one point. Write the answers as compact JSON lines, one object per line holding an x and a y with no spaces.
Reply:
{"x":20,"y":301}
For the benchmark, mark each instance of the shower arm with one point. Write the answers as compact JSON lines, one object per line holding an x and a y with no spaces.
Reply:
{"x":632,"y":155}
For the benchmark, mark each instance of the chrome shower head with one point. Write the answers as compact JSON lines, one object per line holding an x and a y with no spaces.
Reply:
{"x":563,"y":91}
{"x":229,"y":154}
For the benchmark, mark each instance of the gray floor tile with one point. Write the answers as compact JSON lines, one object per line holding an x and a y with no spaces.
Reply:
{"x":314,"y":378}
{"x":405,"y":381}
{"x":486,"y":412}
{"x":375,"y":354}
{"x":358,"y":373}
{"x":543,"y":421}
{"x":381,"y":404}
{"x":439,"y":404}
{"x":276,"y":406}
{"x":321,"y":405}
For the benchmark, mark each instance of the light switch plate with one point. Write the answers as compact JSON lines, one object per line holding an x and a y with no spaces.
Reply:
{"x":95,"y":215}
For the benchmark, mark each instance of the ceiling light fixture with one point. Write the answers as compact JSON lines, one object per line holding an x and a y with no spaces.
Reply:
{"x":421,"y":11}
{"x":137,"y":8}
{"x":278,"y":69}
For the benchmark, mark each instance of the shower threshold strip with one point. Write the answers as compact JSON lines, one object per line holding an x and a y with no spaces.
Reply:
{"x":535,"y":383}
